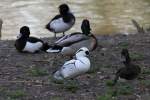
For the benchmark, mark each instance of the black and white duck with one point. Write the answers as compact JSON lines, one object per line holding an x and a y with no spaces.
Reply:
{"x":25,"y":43}
{"x":61,"y":22}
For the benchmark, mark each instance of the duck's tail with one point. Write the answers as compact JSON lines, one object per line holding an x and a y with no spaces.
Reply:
{"x":47,"y":26}
{"x":45,"y":46}
{"x":57,"y":75}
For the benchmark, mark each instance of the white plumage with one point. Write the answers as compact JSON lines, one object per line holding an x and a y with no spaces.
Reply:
{"x":32,"y":47}
{"x":59,"y":25}
{"x":74,"y":67}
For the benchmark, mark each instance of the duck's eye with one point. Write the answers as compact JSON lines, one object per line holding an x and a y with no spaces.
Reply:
{"x":86,"y":52}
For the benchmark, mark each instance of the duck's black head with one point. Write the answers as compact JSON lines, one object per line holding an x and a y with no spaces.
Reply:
{"x":63,"y":9}
{"x":85,"y":27}
{"x":125,"y":53}
{"x":24,"y":32}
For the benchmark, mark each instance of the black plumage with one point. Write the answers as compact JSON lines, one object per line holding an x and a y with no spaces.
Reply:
{"x":24,"y":37}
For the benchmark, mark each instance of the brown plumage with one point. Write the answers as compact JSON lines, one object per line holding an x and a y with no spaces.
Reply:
{"x":130,"y":71}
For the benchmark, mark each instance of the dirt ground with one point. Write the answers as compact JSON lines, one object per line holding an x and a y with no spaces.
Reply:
{"x":29,"y":76}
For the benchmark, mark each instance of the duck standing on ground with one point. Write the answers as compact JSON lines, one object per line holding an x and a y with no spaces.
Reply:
{"x":130,"y":71}
{"x":62,"y":22}
{"x":1,"y":22}
{"x":69,"y":44}
{"x":24,"y":43}
{"x":74,"y":67}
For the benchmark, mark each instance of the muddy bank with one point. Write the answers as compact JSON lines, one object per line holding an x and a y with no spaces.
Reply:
{"x":28,"y":76}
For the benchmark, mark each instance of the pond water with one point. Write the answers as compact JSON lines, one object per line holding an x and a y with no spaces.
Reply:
{"x":106,"y":16}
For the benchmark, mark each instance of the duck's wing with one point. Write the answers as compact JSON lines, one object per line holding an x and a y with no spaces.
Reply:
{"x":69,"y":69}
{"x":56,"y":17}
{"x":34,"y":40}
{"x":47,"y":26}
{"x":71,"y":39}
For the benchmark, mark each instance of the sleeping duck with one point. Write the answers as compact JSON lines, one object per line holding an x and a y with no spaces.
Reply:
{"x":24,"y":43}
{"x":130,"y":71}
{"x":69,"y":44}
{"x":74,"y":67}
{"x":61,"y":22}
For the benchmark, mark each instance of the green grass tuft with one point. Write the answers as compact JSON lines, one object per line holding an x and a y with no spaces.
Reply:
{"x":109,"y":83}
{"x":70,"y":85}
{"x":123,"y":45}
{"x":37,"y":72}
{"x":136,"y":56}
{"x":16,"y":94}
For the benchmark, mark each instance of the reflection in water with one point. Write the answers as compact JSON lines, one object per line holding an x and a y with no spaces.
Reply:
{"x":106,"y":16}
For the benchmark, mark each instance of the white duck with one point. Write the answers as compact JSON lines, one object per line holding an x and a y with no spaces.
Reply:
{"x":69,"y":44}
{"x":74,"y":67}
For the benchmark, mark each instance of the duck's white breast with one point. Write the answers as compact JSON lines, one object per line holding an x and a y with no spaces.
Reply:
{"x":32,"y":47}
{"x":59,"y":25}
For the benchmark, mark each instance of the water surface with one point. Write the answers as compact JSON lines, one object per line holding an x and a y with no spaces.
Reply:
{"x":106,"y":16}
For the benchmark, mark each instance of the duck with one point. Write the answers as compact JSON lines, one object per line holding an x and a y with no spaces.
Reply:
{"x":61,"y":22}
{"x":69,"y":44}
{"x":74,"y":67}
{"x":25,"y":43}
{"x":1,"y":22}
{"x":130,"y":71}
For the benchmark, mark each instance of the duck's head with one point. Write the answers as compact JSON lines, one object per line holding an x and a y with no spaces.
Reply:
{"x":82,"y":52}
{"x":85,"y":27}
{"x":24,"y":32}
{"x":125,"y":55}
{"x":63,"y":9}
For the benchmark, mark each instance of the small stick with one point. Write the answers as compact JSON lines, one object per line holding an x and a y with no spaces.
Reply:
{"x":138,"y":27}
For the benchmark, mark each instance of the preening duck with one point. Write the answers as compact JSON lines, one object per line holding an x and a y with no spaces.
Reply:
{"x":24,"y":43}
{"x":61,"y":22}
{"x":130,"y":71}
{"x":69,"y":44}
{"x":74,"y":67}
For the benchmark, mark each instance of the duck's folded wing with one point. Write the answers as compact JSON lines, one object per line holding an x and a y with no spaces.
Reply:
{"x":70,"y":62}
{"x":69,"y":70}
{"x":34,"y":40}
{"x":71,"y":39}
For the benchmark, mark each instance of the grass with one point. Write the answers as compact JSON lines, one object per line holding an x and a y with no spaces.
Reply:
{"x":123,"y":45}
{"x":16,"y":94}
{"x":109,"y":83}
{"x":146,"y":72}
{"x":113,"y":91}
{"x":105,"y":97}
{"x":70,"y":85}
{"x":145,"y":83}
{"x":124,"y":89}
{"x":37,"y":72}
{"x":136,"y":56}
{"x":55,"y":98}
